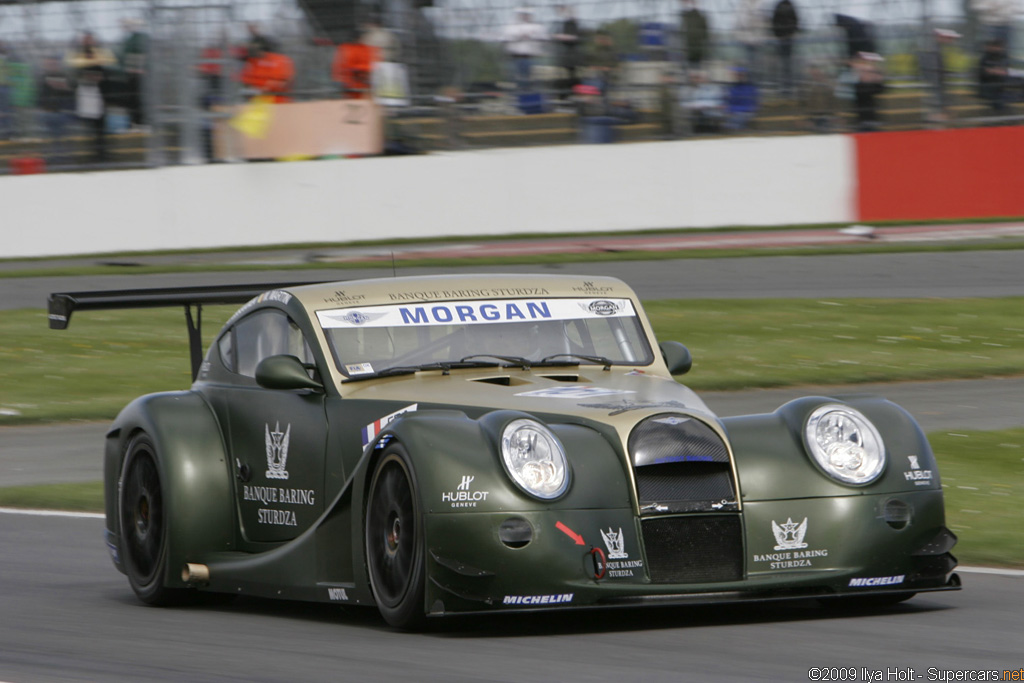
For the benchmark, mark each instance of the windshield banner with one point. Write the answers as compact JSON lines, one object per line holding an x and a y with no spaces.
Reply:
{"x":475,"y":312}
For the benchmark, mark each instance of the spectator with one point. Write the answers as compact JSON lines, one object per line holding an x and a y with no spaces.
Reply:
{"x":56,"y":99}
{"x":567,"y":43}
{"x":268,"y":73}
{"x":704,"y":102}
{"x":353,"y":69}
{"x":92,"y":64}
{"x":604,"y":62}
{"x":132,"y":58}
{"x":994,"y":76}
{"x":524,"y":42}
{"x":860,"y":35}
{"x":750,"y":30}
{"x":934,"y":71}
{"x":869,"y":84}
{"x":696,"y":34}
{"x":384,"y":42}
{"x":741,"y":100}
{"x":258,"y":42}
{"x":817,"y":98}
{"x":6,"y":112}
{"x":996,"y":18}
{"x":785,"y":24}
{"x":23,"y":96}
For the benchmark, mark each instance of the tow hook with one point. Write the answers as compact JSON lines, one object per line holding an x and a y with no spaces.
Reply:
{"x":599,"y":561}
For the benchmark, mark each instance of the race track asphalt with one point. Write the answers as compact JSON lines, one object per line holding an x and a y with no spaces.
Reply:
{"x":69,"y":616}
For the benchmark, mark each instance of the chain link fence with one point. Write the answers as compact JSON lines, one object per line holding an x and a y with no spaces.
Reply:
{"x":168,"y":68}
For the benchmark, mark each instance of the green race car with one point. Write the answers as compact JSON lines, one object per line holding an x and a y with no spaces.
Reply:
{"x":465,"y":444}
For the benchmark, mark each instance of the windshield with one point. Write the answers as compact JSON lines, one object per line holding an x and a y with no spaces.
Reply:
{"x":371,"y":339}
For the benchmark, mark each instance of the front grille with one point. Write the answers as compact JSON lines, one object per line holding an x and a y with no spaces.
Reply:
{"x":705,"y":549}
{"x":681,"y":465}
{"x":687,"y":488}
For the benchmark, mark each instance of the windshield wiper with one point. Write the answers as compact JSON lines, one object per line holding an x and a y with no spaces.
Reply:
{"x":446,"y":366}
{"x":508,"y":360}
{"x":600,"y":360}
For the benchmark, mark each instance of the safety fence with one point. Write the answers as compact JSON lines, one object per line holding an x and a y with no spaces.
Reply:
{"x":173,"y":72}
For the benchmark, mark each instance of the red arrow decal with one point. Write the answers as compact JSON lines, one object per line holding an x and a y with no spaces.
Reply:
{"x":570,"y":533}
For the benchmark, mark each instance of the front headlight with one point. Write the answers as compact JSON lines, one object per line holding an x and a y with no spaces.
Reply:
{"x":534,"y":459}
{"x":845,"y":444}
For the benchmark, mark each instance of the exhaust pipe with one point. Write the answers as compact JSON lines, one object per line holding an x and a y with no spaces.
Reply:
{"x":195,"y":573}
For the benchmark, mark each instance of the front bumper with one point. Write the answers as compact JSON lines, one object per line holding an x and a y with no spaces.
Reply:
{"x":815,"y":547}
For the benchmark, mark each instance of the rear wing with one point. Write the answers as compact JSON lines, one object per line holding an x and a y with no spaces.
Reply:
{"x":61,"y":305}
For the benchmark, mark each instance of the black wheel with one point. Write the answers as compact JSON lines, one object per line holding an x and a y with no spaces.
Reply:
{"x":394,"y":540}
{"x":143,"y":524}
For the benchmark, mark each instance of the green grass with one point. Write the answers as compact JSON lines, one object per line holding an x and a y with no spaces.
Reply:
{"x":982,"y":476}
{"x":740,"y":344}
{"x":983,"y":480}
{"x":87,"y":497}
{"x":105,"y":359}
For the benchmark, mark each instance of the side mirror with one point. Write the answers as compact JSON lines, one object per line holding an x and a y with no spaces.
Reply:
{"x":284,"y":372}
{"x":677,"y":357}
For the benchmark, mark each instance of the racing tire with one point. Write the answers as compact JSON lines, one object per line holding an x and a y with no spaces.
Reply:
{"x":143,"y":524}
{"x":394,"y":541}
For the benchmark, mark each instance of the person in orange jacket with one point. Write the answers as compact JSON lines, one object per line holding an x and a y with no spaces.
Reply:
{"x":268,"y":72}
{"x":353,"y":64}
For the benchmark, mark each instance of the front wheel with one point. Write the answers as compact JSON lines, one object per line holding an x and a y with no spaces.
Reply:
{"x":394,"y":540}
{"x":143,"y":524}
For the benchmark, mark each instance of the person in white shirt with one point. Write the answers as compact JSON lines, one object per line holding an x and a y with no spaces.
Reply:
{"x":524,"y":42}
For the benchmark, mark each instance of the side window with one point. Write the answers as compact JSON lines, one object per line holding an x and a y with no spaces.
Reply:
{"x":264,"y":333}
{"x":227,"y":349}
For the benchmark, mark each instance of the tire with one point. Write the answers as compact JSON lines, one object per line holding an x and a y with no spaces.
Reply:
{"x":394,"y":541}
{"x":143,"y":524}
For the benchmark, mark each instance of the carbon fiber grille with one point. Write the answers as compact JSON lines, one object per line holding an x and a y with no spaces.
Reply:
{"x":694,"y":549}
{"x":681,"y":464}
{"x":693,"y":486}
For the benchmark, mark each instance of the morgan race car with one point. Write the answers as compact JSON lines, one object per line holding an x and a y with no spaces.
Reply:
{"x":469,"y":444}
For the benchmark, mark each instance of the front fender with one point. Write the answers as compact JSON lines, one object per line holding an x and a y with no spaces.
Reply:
{"x":194,"y":474}
{"x":772,"y":462}
{"x":458,"y":464}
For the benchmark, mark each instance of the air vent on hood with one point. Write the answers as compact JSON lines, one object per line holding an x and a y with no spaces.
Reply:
{"x":500,"y":380}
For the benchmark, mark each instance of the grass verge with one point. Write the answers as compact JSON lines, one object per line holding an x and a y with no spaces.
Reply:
{"x":526,"y":259}
{"x":982,"y":476}
{"x":107,"y":358}
{"x":85,"y":497}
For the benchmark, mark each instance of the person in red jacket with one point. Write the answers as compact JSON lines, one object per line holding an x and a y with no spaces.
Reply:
{"x":352,"y":68}
{"x":270,"y":73}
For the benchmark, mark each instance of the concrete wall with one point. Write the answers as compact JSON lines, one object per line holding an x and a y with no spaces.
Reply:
{"x":684,"y":184}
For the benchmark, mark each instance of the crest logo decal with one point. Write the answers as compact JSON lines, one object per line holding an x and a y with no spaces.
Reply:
{"x":790,"y":536}
{"x":616,"y":544}
{"x":277,"y":451}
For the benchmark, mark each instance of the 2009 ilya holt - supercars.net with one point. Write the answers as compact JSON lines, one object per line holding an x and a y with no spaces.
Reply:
{"x":460,"y":444}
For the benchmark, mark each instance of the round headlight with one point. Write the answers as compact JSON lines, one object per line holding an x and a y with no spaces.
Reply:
{"x":845,"y":444}
{"x":534,"y":459}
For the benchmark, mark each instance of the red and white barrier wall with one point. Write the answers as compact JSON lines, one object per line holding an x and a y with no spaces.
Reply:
{"x":580,"y":188}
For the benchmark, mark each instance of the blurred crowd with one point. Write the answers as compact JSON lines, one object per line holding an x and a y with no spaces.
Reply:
{"x":703,"y":85}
